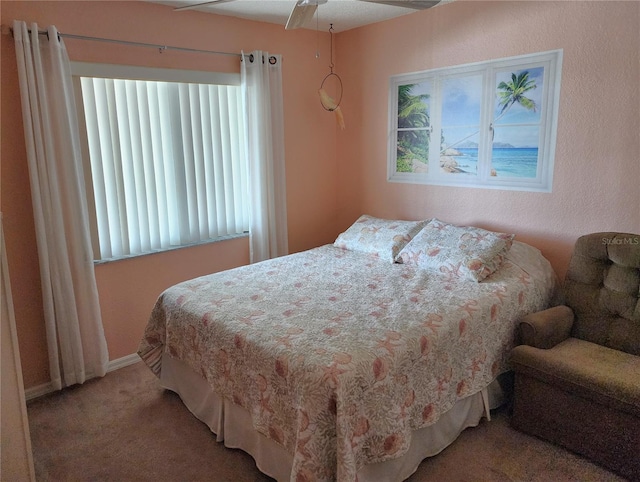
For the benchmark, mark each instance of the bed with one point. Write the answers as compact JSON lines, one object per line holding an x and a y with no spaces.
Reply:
{"x":351,"y":361}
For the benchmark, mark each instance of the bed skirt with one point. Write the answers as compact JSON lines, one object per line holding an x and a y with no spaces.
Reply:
{"x":232,"y":425}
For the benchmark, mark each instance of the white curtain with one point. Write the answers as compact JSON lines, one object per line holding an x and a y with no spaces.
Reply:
{"x":75,"y":337}
{"x":261,"y":75}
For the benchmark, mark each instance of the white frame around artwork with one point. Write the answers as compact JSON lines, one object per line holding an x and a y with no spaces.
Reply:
{"x":550,"y":61}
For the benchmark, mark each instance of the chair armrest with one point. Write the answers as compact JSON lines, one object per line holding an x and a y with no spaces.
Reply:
{"x":545,"y":329}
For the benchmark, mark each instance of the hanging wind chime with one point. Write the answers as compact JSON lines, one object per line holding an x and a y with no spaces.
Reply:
{"x":325,"y":99}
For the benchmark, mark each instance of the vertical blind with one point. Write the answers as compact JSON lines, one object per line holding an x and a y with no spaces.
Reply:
{"x":168,"y":163}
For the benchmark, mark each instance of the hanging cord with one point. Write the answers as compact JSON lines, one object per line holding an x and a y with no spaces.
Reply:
{"x":331,"y":48}
{"x":317,"y":33}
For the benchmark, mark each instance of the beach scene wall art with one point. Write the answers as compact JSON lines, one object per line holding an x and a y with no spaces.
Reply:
{"x":485,"y":124}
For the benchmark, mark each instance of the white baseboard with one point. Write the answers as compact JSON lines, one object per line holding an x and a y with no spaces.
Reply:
{"x":125,"y":361}
{"x":46,"y":388}
{"x":38,"y":391}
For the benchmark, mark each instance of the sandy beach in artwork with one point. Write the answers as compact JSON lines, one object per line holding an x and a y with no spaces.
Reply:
{"x":506,"y":162}
{"x":448,"y":163}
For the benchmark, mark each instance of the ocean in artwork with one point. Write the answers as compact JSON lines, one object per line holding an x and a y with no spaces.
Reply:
{"x":507,"y":162}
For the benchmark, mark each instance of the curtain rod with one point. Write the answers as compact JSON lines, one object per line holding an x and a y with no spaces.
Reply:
{"x":161,"y":48}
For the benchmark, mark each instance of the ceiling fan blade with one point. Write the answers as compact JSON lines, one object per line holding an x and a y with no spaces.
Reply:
{"x":302,"y":12}
{"x":201,"y":4}
{"x":414,"y":4}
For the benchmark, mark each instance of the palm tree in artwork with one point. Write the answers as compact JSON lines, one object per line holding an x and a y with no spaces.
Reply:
{"x":412,"y":110}
{"x":413,"y":114}
{"x":513,"y":92}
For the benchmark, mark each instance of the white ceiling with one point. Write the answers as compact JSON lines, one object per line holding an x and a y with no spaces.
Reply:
{"x":343,"y":14}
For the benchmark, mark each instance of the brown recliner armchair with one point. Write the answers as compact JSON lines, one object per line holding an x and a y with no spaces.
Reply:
{"x":577,"y":371}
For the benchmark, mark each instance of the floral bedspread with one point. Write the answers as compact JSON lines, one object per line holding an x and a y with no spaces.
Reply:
{"x":337,"y":355}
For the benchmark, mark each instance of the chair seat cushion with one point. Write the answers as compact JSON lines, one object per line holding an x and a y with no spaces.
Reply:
{"x":592,"y":371}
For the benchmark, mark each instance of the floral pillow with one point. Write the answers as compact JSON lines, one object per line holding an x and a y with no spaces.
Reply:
{"x":464,"y":252}
{"x":380,"y":237}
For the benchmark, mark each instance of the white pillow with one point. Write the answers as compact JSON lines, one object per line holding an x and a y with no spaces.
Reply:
{"x":467,"y":252}
{"x":383,"y":238}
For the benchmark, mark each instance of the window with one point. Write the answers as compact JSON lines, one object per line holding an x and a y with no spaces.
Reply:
{"x":166,"y":154}
{"x":489,"y":124}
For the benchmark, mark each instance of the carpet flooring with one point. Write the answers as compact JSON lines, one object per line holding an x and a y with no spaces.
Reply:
{"x":125,"y":427}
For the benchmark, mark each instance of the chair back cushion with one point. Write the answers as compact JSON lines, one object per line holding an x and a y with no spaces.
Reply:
{"x":602,"y":286}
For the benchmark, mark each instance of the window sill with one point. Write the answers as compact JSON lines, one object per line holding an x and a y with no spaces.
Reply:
{"x":173,"y":248}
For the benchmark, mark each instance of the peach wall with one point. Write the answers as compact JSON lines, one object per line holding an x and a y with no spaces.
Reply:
{"x":129,"y":288}
{"x":597,"y":163}
{"x":332,"y":177}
